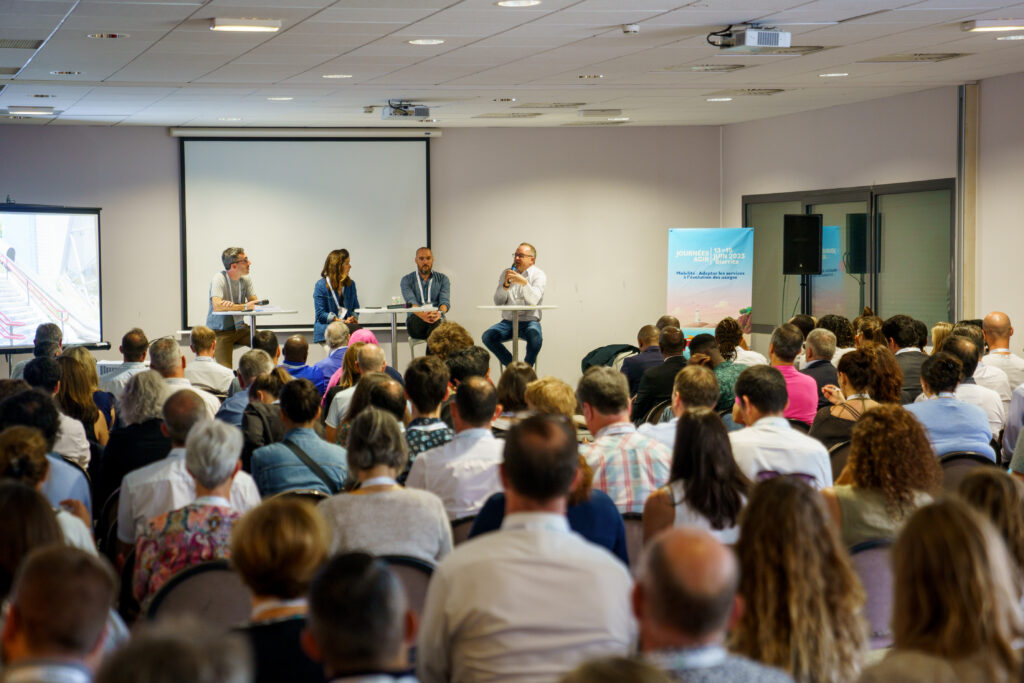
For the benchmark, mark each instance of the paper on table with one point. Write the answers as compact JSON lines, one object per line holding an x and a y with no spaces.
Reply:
{"x":268,"y":309}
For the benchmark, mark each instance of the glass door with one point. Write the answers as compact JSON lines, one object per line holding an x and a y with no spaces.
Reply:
{"x":842,"y":288}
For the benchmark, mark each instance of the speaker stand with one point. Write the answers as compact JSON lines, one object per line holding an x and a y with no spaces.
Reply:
{"x":805,"y":294}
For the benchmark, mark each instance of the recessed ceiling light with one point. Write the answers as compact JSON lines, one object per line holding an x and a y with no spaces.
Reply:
{"x":1017,"y":37}
{"x":230,"y":118}
{"x":42,"y":96}
{"x":619,"y":118}
{"x":590,"y":76}
{"x":336,"y":76}
{"x":719,"y":99}
{"x":66,"y":73}
{"x":21,"y":110}
{"x":838,"y":74}
{"x":280,"y":99}
{"x":983,"y":25}
{"x":426,"y":41}
{"x":429,"y":120}
{"x":504,"y":99}
{"x":109,"y":36}
{"x":517,"y":3}
{"x":245,"y":25}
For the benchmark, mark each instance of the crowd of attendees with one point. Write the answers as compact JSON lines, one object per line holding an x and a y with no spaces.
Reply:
{"x":691,"y":510}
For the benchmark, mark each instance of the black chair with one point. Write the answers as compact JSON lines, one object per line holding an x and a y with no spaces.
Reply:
{"x":313,"y":496}
{"x":654,"y":414}
{"x":957,"y":465}
{"x":210,"y":591}
{"x":106,"y":526}
{"x":799,"y":425}
{"x":79,"y":468}
{"x":870,"y":560}
{"x":127,"y":605}
{"x":837,"y":455}
{"x":461,"y":528}
{"x":414,"y":574}
{"x":634,"y":522}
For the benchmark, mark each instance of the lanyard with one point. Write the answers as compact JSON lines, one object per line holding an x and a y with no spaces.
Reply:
{"x":333,"y":295}
{"x":378,"y":481}
{"x":863,"y":397}
{"x":945,"y":394}
{"x":231,"y":293}
{"x":424,"y":299}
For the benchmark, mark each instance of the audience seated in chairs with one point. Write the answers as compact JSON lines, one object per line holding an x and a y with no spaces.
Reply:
{"x":426,"y":386}
{"x":336,"y":343}
{"x":802,"y":389}
{"x":695,"y":386}
{"x":956,"y":612}
{"x":296,"y":352}
{"x":635,"y":366}
{"x":347,"y":374}
{"x":204,"y":371}
{"x":847,"y":402}
{"x":380,"y":516}
{"x":277,"y":548}
{"x":732,"y":345}
{"x":165,"y":357}
{"x":359,"y":623}
{"x":104,"y":400}
{"x":1000,"y":498}
{"x":842,"y":329}
{"x":819,"y":348}
{"x":447,"y":338}
{"x":261,"y":418}
{"x":198,"y":531}
{"x":656,"y":382}
{"x":890,"y":472}
{"x":802,"y":600}
{"x":71,"y":442}
{"x":369,"y":361}
{"x":251,"y":365}
{"x":512,"y":394}
{"x":706,"y":488}
{"x":134,"y":347}
{"x":359,"y":402}
{"x":704,"y":350}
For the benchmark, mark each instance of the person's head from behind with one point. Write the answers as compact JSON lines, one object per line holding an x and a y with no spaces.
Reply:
{"x":671,"y":342}
{"x":177,"y":649}
{"x":43,"y":373}
{"x":476,"y":404}
{"x":134,"y":345}
{"x":266,"y":340}
{"x":375,"y":440}
{"x":604,"y":393}
{"x":840,"y":326}
{"x":166,"y":358}
{"x":972,"y":331}
{"x":760,"y":392}
{"x":551,"y":396}
{"x":75,"y":391}
{"x":667,"y":321}
{"x":890,"y":453}
{"x":426,"y":383}
{"x":787,"y":341}
{"x":540,"y":461}
{"x":27,"y":522}
{"x":940,"y":331}
{"x":212,"y":454}
{"x":389,"y":396}
{"x":695,"y":386}
{"x":803,"y":322}
{"x":702,"y":460}
{"x":512,"y":385}
{"x":202,"y":340}
{"x":23,"y":455}
{"x":32,"y":408}
{"x":59,"y":606}
{"x":619,"y":669}
{"x":997,"y":329}
{"x":358,"y":617}
{"x":922,"y":334}
{"x":277,"y":547}
{"x":267,"y":388}
{"x":143,"y":398}
{"x":941,"y":372}
{"x":48,"y":333}
{"x":336,"y":335}
{"x":900,"y":332}
{"x":704,"y":344}
{"x":371,"y":359}
{"x":350,"y":373}
{"x":965,"y":349}
{"x":46,"y":350}
{"x":856,"y":369}
{"x":685,"y":594}
{"x":729,"y":336}
{"x":867,"y":330}
{"x":300,"y":403}
{"x":647,"y":336}
{"x":796,"y":576}
{"x":296,"y":349}
{"x":181,"y":412}
{"x":820,"y":345}
{"x":361,"y":396}
{"x":447,"y":338}
{"x":88,"y":361}
{"x":956,"y":591}
{"x":472,"y":361}
{"x":1000,"y":498}
{"x":252,"y":364}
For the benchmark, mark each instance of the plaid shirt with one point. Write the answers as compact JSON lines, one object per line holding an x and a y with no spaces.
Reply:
{"x":422,"y":434}
{"x":628,"y":466}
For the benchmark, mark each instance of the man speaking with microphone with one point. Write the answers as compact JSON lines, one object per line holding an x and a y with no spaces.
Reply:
{"x":521,"y":285}
{"x":230,"y":290}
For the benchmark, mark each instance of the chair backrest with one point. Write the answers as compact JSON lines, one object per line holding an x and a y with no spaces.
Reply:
{"x":654,"y":415}
{"x":634,"y":522}
{"x":838,"y":455}
{"x":870,"y":560}
{"x":211,"y":591}
{"x":957,"y":465}
{"x":314,"y":496}
{"x":461,"y":528}
{"x":106,"y":526}
{"x":415,"y":575}
{"x":799,"y":425}
{"x":127,"y":605}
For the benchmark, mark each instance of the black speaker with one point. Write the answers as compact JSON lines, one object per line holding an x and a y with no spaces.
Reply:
{"x":801,"y":244}
{"x":856,"y":257}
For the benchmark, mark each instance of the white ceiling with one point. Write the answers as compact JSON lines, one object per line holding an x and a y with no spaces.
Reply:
{"x":172,"y":70}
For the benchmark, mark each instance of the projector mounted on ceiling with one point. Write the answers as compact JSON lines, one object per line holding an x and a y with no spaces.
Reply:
{"x":400,"y":109}
{"x":749,"y":39}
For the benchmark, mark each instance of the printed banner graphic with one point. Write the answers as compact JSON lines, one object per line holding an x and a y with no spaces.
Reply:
{"x":710,"y":276}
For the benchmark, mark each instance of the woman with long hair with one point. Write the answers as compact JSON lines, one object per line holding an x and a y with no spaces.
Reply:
{"x":999,"y":497}
{"x":512,"y":394}
{"x":956,"y":612}
{"x":334,"y":295}
{"x":891,"y":471}
{"x":104,"y":400}
{"x":706,"y":487}
{"x":75,"y":398}
{"x":802,"y":598}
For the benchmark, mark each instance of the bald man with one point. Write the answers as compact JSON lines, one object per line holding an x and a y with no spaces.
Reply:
{"x":998,"y":330}
{"x":685,"y":601}
{"x":634,"y":367}
{"x":296,"y":351}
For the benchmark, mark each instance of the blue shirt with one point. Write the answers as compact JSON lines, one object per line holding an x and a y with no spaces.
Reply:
{"x":329,"y":365}
{"x":276,"y":468}
{"x":232,"y":408}
{"x":436,"y":290}
{"x":303,"y":371}
{"x":64,"y":481}
{"x":325,"y":310}
{"x":954,"y":425}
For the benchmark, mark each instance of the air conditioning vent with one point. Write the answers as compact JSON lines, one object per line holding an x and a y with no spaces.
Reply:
{"x":914,"y":57}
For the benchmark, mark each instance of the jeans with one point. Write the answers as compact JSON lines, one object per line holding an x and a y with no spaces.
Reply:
{"x":529,"y":331}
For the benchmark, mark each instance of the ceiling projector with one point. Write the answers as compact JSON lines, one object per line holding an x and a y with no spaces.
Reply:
{"x":404,"y":110}
{"x":752,"y":38}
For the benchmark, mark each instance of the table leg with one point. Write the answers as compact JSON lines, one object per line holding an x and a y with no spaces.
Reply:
{"x":394,"y":341}
{"x":252,"y":330}
{"x":515,"y":335}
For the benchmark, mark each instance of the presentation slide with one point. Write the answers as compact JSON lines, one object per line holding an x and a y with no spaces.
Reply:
{"x":288,"y":203}
{"x":49,"y":273}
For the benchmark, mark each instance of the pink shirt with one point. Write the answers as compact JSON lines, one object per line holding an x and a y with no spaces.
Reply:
{"x":803,"y":394}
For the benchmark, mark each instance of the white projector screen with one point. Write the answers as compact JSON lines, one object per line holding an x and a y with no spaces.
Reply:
{"x":288,"y":203}
{"x":49,"y":273}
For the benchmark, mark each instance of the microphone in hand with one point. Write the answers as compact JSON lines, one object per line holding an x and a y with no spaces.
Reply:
{"x":508,"y":280}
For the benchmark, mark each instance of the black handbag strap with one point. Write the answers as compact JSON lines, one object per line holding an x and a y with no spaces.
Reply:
{"x":312,"y":465}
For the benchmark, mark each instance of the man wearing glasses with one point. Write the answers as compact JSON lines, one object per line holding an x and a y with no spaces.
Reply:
{"x":521,"y":285}
{"x":230,"y":290}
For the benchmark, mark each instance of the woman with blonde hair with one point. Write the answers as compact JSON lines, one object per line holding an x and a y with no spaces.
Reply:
{"x":334,"y":295}
{"x":277,"y":548}
{"x":74,"y":395}
{"x":956,"y":611}
{"x":999,"y":497}
{"x":940,"y":331}
{"x":802,"y":599}
{"x":104,"y":400}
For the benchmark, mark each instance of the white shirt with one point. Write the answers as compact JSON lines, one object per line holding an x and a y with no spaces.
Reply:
{"x":76,"y":533}
{"x":984,"y":398}
{"x":1011,"y":364}
{"x":115,"y":383}
{"x":339,"y":406}
{"x":212,"y":402}
{"x":840,"y":353}
{"x":205,"y":372}
{"x":166,"y":485}
{"x":530,"y":294}
{"x":748,"y":357}
{"x":771,"y":444}
{"x":526,"y":603}
{"x":463,"y":472}
{"x":665,"y":432}
{"x":995,"y":379}
{"x":71,"y":441}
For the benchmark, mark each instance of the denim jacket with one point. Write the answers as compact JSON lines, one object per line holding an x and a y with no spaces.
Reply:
{"x":276,"y":468}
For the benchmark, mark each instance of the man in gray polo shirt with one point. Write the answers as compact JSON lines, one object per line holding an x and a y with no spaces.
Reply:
{"x":230,"y":290}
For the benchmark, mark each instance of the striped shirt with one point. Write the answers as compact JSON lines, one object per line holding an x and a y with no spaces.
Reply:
{"x":627,"y":465}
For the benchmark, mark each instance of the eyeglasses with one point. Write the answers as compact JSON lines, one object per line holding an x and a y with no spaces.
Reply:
{"x":521,"y":255}
{"x":244,"y":260}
